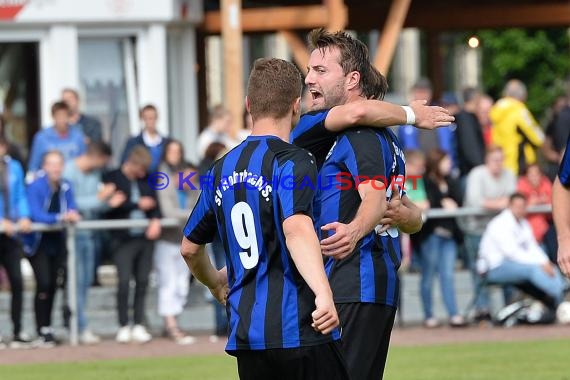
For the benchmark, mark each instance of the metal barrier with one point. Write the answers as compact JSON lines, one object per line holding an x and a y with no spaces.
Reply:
{"x":120,"y":224}
{"x":70,"y":230}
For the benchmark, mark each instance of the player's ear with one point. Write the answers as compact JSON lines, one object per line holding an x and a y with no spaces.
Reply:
{"x":353,"y":80}
{"x":247,"y":105}
{"x":297,"y":107}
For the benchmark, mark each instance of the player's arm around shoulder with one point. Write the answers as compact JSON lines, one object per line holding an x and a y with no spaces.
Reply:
{"x":380,"y":114}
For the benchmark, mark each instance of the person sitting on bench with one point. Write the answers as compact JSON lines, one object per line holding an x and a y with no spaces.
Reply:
{"x":510,"y":255}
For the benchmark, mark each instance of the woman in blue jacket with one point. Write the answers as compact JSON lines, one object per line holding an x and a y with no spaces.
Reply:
{"x":14,"y":212}
{"x":51,"y":201}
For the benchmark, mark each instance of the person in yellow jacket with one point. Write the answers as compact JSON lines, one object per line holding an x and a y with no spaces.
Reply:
{"x":514,"y":128}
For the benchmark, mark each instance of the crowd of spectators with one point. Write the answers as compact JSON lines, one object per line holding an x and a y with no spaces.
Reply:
{"x":67,"y":178}
{"x":494,"y":150}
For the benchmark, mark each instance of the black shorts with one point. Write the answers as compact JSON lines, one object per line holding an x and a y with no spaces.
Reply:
{"x":321,"y":362}
{"x":366,"y":330}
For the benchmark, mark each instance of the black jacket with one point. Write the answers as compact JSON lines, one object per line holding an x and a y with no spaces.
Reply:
{"x":123,"y":184}
{"x":435,"y":197}
{"x":469,"y":142}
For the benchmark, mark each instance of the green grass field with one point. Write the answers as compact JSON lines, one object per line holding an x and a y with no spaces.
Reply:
{"x":541,"y":360}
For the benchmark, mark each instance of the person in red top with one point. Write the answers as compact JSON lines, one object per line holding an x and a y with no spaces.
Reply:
{"x":537,"y":188}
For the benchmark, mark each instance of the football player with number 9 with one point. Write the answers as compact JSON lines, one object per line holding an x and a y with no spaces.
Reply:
{"x":282,"y":317}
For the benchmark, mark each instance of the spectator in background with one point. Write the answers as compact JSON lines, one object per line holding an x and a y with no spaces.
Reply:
{"x":469,"y":134}
{"x":217,"y":131}
{"x":84,"y":173}
{"x":134,"y":248}
{"x":488,"y":186}
{"x":12,"y":150}
{"x":510,"y":255}
{"x":415,"y":186}
{"x":426,"y":140}
{"x":148,"y":138}
{"x":515,"y":129}
{"x":557,"y":133}
{"x":537,"y":189}
{"x":211,"y":154}
{"x":440,"y":238}
{"x":14,"y":212}
{"x":216,"y":249}
{"x":63,"y":137}
{"x":483,"y":115}
{"x":416,"y":192}
{"x":173,"y":278}
{"x":51,"y":201}
{"x":89,"y":125}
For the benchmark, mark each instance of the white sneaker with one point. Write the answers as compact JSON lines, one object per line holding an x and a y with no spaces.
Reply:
{"x":124,"y":335}
{"x":3,"y":345}
{"x":87,"y":337}
{"x":185,"y":340}
{"x":140,"y":335}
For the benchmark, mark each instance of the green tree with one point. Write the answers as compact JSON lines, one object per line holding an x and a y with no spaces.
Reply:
{"x":540,"y":58}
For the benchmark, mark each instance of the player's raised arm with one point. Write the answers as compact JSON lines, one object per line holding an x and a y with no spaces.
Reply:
{"x":380,"y":114}
{"x":303,"y":244}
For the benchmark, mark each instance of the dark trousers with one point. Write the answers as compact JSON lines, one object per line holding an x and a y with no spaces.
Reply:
{"x":48,"y":264}
{"x":321,"y":362}
{"x":10,"y":256}
{"x":366,"y":330}
{"x":133,"y":258}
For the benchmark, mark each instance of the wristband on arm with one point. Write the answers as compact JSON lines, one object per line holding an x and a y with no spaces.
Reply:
{"x":410,"y":115}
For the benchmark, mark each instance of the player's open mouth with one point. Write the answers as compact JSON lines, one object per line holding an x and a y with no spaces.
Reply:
{"x":316,"y":94}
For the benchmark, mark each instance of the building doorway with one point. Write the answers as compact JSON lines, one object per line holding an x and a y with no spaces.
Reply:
{"x":19,"y":92}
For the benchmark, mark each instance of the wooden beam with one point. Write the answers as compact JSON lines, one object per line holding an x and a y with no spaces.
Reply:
{"x":338,"y":15}
{"x":272,"y":19}
{"x":233,"y":62}
{"x":461,"y":16}
{"x":435,"y":63}
{"x":389,"y":38}
{"x":298,"y":48}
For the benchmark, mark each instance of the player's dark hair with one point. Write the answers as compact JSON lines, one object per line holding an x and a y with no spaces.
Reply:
{"x":354,"y":56}
{"x":273,"y":87}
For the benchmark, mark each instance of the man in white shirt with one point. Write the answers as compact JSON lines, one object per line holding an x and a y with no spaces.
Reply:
{"x":510,"y":255}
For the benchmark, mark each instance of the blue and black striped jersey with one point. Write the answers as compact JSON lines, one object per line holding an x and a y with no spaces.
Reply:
{"x":564,"y":171}
{"x":369,"y":274}
{"x":252,"y":190}
{"x":310,"y":133}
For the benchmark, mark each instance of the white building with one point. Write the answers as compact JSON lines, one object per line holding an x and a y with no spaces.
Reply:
{"x":119,"y":54}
